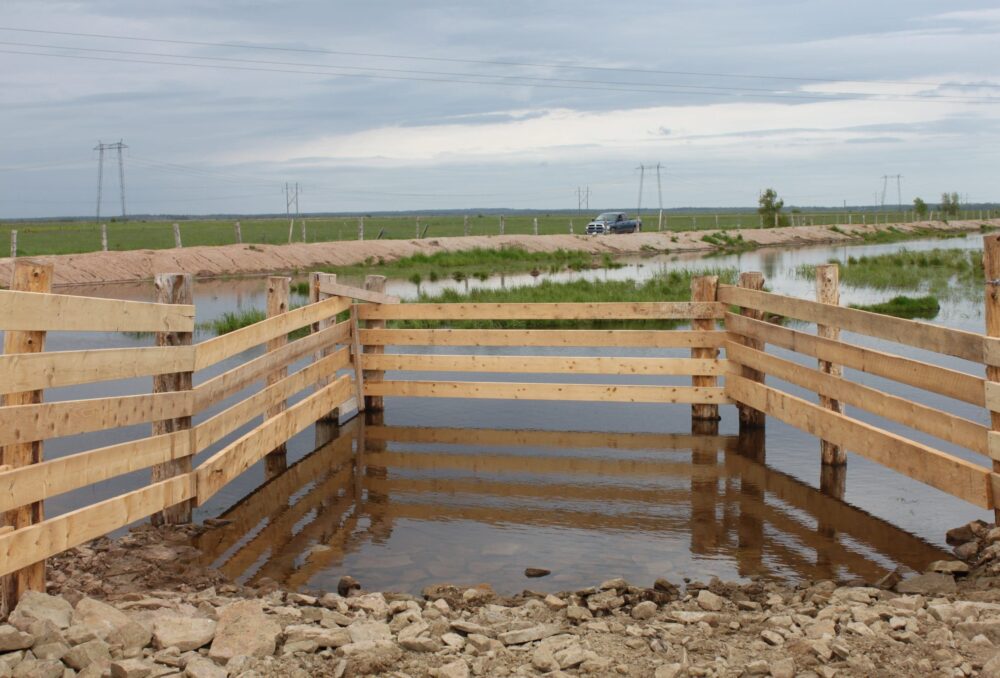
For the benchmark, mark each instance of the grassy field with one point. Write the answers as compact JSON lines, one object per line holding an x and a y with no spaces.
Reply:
{"x":905,"y":307}
{"x":66,"y":237}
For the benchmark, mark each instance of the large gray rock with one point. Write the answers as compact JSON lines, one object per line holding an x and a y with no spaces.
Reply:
{"x":199,"y":667}
{"x":85,"y":654}
{"x":243,"y":628}
{"x":931,"y":583}
{"x":39,"y":668}
{"x":39,"y":606}
{"x":111,"y":624}
{"x":11,"y":639}
{"x":184,"y":633}
{"x":323,"y":637}
{"x":521,"y":636}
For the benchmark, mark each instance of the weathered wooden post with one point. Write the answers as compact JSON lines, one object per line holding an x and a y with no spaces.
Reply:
{"x":659,"y":221}
{"x":302,"y":225}
{"x":278,"y":287}
{"x":239,"y":233}
{"x":104,"y":237}
{"x":291,"y":230}
{"x":535,"y":226}
{"x":173,"y":288}
{"x":502,"y":224}
{"x":828,"y":292}
{"x":991,"y":264}
{"x":177,"y":236}
{"x":571,"y":226}
{"x":465,"y":224}
{"x":751,"y":418}
{"x":315,"y":295}
{"x":704,"y":289}
{"x":28,"y":276}
{"x":13,"y":243}
{"x":361,"y":228}
{"x":374,"y":283}
{"x":417,"y":226}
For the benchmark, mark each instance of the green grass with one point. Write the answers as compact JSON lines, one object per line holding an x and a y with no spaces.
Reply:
{"x":905,"y":307}
{"x":728,"y":244}
{"x":230,"y":321}
{"x":671,"y":286}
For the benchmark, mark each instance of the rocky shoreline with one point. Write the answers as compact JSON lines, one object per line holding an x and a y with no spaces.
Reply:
{"x":141,"y":607}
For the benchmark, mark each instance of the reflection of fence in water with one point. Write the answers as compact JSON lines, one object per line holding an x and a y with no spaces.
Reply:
{"x":731,"y":505}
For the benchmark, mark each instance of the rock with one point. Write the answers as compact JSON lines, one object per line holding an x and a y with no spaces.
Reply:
{"x":709,"y":601}
{"x":323,"y":637}
{"x":571,"y":656}
{"x":243,"y":628}
{"x":605,"y":601}
{"x":372,"y":603}
{"x":772,"y":637}
{"x":991,"y":669}
{"x":544,"y":660}
{"x":347,"y":585}
{"x":467,"y":627}
{"x":521,"y":636}
{"x":420,"y":644}
{"x":298,"y":646}
{"x":12,"y":639}
{"x":931,"y":583}
{"x":536,"y":572}
{"x":52,"y":650}
{"x":39,"y":668}
{"x":783,"y":668}
{"x":965,"y":533}
{"x":949,"y":567}
{"x":184,"y":633}
{"x":456,"y":669}
{"x":644,"y":610}
{"x":111,"y":624}
{"x":453,"y":640}
{"x":890,"y":580}
{"x":757,"y":667}
{"x":669,"y":671}
{"x":130,"y":668}
{"x":990,"y":629}
{"x":200,"y":667}
{"x":616,"y":584}
{"x":39,"y":606}
{"x":362,"y":632}
{"x":577,"y":613}
{"x":968,"y":550}
{"x":555,"y":603}
{"x":85,"y":654}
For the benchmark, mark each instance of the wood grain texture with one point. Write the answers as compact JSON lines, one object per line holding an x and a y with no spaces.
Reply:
{"x":676,"y":310}
{"x":828,"y":292}
{"x":568,"y":338}
{"x":530,"y":391}
{"x":39,"y":311}
{"x":369,"y":295}
{"x":544,"y":364}
{"x":704,"y":289}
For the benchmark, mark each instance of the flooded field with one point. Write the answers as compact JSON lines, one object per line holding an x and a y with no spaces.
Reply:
{"x":466,"y":491}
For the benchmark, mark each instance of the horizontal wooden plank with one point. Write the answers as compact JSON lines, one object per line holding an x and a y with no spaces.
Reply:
{"x":992,"y":395}
{"x":673,"y":310}
{"x":65,"y":312}
{"x":26,"y":423}
{"x":958,"y":343}
{"x":930,"y":420}
{"x":33,"y":371}
{"x":573,"y":338}
{"x":27,"y":484}
{"x":31,"y":544}
{"x":225,"y":465}
{"x":230,"y":419}
{"x":230,"y":382}
{"x":994,"y":444}
{"x":941,"y":380}
{"x":515,"y":391}
{"x":225,"y":346}
{"x":338,"y":290}
{"x":542,"y":364}
{"x":952,"y":475}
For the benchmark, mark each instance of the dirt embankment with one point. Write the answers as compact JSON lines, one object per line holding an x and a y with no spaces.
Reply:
{"x":227,"y":260}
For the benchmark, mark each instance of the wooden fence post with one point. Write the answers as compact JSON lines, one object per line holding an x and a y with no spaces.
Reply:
{"x":104,"y":237}
{"x":291,"y":230}
{"x":417,"y":232}
{"x":502,"y":225}
{"x":302,"y":225}
{"x":535,"y":226}
{"x":571,"y":226}
{"x":704,"y":288}
{"x":28,"y":276}
{"x":991,"y":264}
{"x":465,"y":224}
{"x":315,"y":295}
{"x":751,"y":418}
{"x":13,"y":244}
{"x":374,"y":283}
{"x":172,"y":288}
{"x":177,"y":236}
{"x":278,"y":287}
{"x":828,"y":292}
{"x":361,"y":228}
{"x":239,"y":233}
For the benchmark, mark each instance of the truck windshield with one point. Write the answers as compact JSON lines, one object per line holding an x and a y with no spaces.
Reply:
{"x":607,"y":216}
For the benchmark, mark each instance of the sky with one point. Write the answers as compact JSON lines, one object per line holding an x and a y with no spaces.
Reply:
{"x":399,"y":105}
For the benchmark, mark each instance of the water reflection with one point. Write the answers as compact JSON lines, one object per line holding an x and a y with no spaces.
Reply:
{"x":403,"y":507}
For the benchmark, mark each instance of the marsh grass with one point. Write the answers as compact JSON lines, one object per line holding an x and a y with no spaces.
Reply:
{"x":230,"y":321}
{"x":905,"y":307}
{"x":479,"y":259}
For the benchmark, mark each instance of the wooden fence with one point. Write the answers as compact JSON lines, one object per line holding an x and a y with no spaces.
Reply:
{"x":349,"y":339}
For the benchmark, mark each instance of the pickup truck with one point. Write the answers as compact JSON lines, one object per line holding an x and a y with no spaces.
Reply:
{"x":613,"y":222}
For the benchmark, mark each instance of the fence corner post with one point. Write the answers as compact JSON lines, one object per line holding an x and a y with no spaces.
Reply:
{"x":704,"y":289}
{"x":173,"y":288}
{"x":28,"y":276}
{"x":374,"y":283}
{"x":751,"y":418}
{"x":828,"y":292}
{"x":278,"y":290}
{"x":991,"y":266}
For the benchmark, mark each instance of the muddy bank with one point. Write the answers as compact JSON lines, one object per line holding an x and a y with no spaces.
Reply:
{"x":140,"y":606}
{"x":206,"y":262}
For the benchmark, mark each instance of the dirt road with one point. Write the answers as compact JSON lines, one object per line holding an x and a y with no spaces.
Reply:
{"x":227,"y":260}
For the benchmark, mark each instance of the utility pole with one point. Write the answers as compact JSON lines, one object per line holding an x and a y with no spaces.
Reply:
{"x":642,"y":179}
{"x":291,"y":198}
{"x":100,"y":148}
{"x":899,"y":191}
{"x":659,"y":195}
{"x":885,"y":181}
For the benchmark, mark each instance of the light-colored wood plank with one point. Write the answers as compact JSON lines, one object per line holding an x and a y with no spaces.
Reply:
{"x":225,"y":346}
{"x":278,"y":295}
{"x":570,"y":338}
{"x":356,"y":358}
{"x":749,"y":417}
{"x":56,"y":476}
{"x":991,"y":271}
{"x":704,"y":289}
{"x":668,"y":310}
{"x":222,"y":467}
{"x":930,"y":420}
{"x":30,"y":371}
{"x":375,"y":283}
{"x":31,"y":544}
{"x":952,"y":475}
{"x":828,"y":292}
{"x":958,"y":343}
{"x":64,"y":312}
{"x":543,"y":364}
{"x":371,"y":296}
{"x":25,"y":423}
{"x":941,"y":380}
{"x":514,"y":391}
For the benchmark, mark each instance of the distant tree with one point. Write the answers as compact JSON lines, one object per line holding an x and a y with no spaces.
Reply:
{"x":769,"y":208}
{"x":949,"y":204}
{"x":920,"y":207}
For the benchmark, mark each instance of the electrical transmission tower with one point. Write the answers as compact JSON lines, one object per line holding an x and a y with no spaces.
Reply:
{"x":899,"y":191}
{"x":291,"y":198}
{"x":582,"y":198}
{"x":100,"y":148}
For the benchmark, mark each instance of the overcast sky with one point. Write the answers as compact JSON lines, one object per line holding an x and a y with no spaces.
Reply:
{"x":510,"y":104}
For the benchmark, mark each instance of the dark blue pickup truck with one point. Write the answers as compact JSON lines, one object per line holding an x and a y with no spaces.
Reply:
{"x":613,"y":222}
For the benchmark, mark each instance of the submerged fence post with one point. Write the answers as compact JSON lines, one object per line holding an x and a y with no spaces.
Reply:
{"x":751,"y":418}
{"x":991,"y":264}
{"x":828,"y":292}
{"x":374,"y":283}
{"x":173,"y":288}
{"x":275,"y":462}
{"x":28,"y":276}
{"x":704,"y":288}
{"x":104,"y":237}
